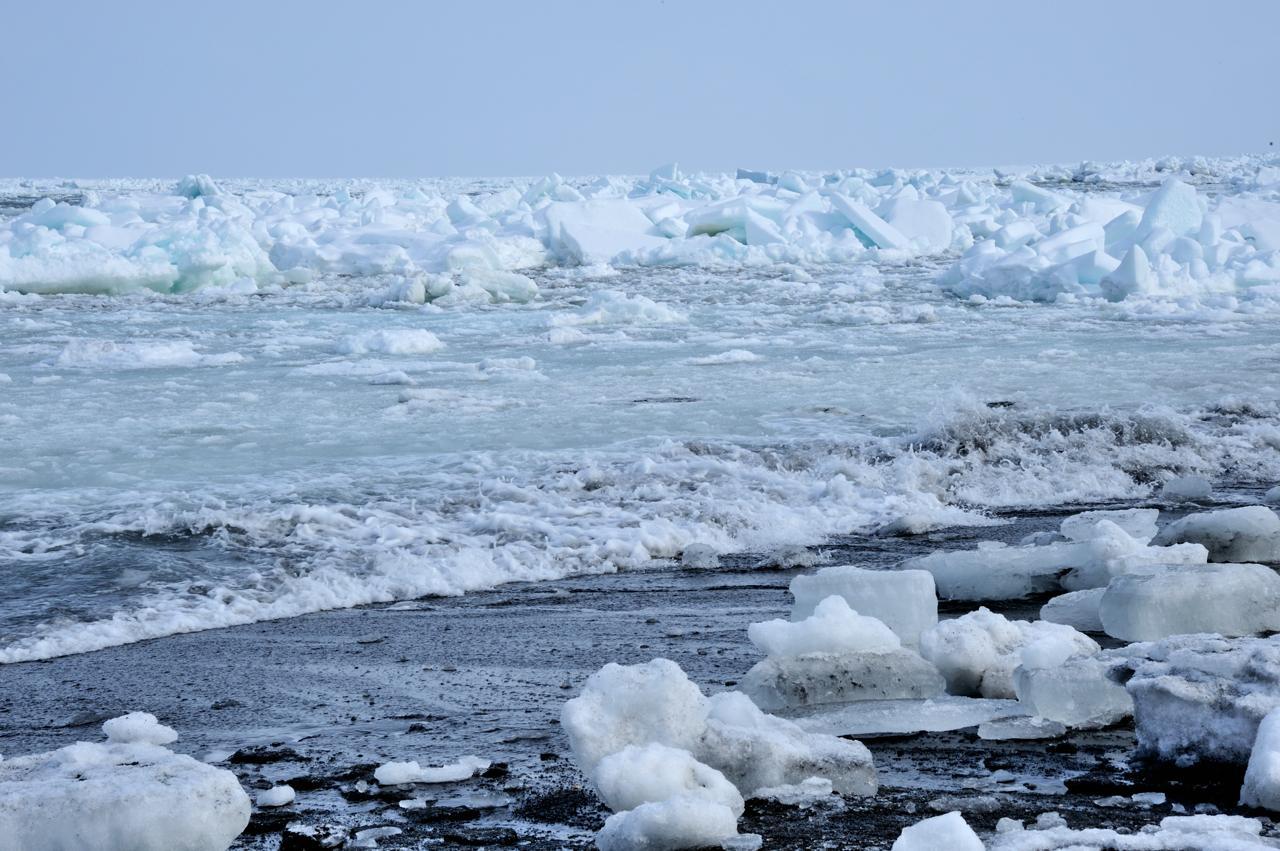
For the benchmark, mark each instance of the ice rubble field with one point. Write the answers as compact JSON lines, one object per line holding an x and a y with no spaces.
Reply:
{"x":229,"y":401}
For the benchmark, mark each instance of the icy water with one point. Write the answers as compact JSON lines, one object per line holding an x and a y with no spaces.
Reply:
{"x":174,"y":463}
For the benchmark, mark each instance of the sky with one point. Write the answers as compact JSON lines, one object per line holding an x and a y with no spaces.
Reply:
{"x":276,"y":88}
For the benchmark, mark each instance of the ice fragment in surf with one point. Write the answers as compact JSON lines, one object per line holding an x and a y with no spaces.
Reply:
{"x":1246,"y":534}
{"x":399,"y":773}
{"x":904,"y":600}
{"x":1186,"y":489}
{"x":1262,"y":777}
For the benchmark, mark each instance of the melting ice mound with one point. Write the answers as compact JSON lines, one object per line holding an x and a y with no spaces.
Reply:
{"x":130,"y":794}
{"x":1021,"y":240}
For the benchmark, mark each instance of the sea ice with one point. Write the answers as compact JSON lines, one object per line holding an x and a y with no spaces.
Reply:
{"x":641,"y":774}
{"x":833,"y":656}
{"x":129,"y":794}
{"x":1229,"y":599}
{"x":1200,"y":697}
{"x":904,"y":600}
{"x":901,"y":717}
{"x":1248,"y":534}
{"x":1075,"y":691}
{"x":949,"y":831}
{"x":1186,"y":489}
{"x":1262,"y":777}
{"x":276,"y":796}
{"x":655,"y":702}
{"x":977,"y":652}
{"x":1078,"y":609}
{"x":399,"y":773}
{"x":1174,"y":833}
{"x":681,"y":822}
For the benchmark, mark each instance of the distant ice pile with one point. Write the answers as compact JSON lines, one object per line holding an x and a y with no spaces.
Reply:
{"x":1033,"y":235}
{"x":129,"y":794}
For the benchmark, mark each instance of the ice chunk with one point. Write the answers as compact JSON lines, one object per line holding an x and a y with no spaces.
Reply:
{"x":1272,"y":496}
{"x":623,"y":705}
{"x":755,"y":750}
{"x":1078,"y":609}
{"x":1075,"y":691}
{"x":1251,"y":533}
{"x":1174,"y":833}
{"x":899,"y":717}
{"x":197,"y":186}
{"x":1021,"y":727}
{"x":398,"y":773}
{"x":1200,"y":697}
{"x":138,"y":728}
{"x":392,"y":341}
{"x":1229,"y":599}
{"x":1133,"y":276}
{"x":119,"y":796}
{"x":597,"y":231}
{"x":1137,"y":523}
{"x":815,"y":678}
{"x":832,"y":628}
{"x":805,"y":794}
{"x":1175,"y":207}
{"x":926,"y":223}
{"x":995,"y":571}
{"x":950,"y":832}
{"x":879,"y":232}
{"x":276,"y":796}
{"x":1044,"y":200}
{"x":681,"y":822}
{"x":978,"y":652}
{"x":640,"y":774}
{"x":1262,"y":778}
{"x":656,"y":703}
{"x":1186,"y":489}
{"x":904,"y":600}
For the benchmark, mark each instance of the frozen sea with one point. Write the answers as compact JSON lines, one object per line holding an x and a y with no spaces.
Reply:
{"x":172,"y":461}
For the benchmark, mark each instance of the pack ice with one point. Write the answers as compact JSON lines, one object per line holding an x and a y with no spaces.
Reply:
{"x":437,"y":241}
{"x":128,"y":794}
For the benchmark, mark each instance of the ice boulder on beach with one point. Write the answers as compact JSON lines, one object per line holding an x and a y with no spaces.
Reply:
{"x":1199,"y":697}
{"x":129,"y":794}
{"x":834,"y":656}
{"x":978,"y":652}
{"x":1262,"y":777}
{"x":1073,"y":690}
{"x":950,"y":832}
{"x":1228,"y":599}
{"x":400,"y":773}
{"x":756,"y":750}
{"x":1077,"y":609}
{"x":641,"y":774}
{"x":1251,"y":533}
{"x":655,"y":702}
{"x":906,"y":601}
{"x":682,"y":822}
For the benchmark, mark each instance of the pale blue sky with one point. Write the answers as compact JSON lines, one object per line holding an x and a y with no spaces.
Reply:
{"x":380,"y":88}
